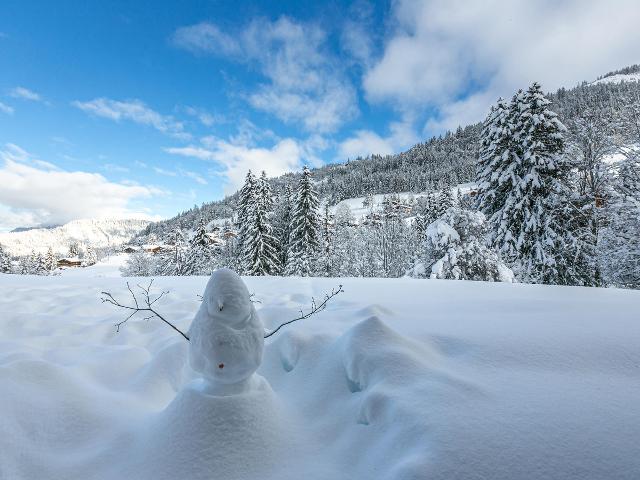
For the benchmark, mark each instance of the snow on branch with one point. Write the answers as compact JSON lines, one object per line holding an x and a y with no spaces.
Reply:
{"x":315,"y":308}
{"x":145,"y":304}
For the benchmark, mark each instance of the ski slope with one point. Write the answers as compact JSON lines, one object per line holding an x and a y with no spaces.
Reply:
{"x":396,"y":379}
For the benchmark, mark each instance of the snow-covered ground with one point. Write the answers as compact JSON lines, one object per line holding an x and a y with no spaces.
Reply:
{"x":397,"y":379}
{"x":359,"y":210}
{"x":619,"y":77}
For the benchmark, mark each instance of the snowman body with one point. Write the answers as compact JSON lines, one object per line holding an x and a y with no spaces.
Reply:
{"x":226,"y":336}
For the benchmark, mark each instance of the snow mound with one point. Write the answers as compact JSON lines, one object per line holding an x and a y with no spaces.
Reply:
{"x":199,"y":435}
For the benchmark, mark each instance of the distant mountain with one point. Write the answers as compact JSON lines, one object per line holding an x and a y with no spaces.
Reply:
{"x":97,"y":234}
{"x":447,"y":160}
{"x":26,"y":229}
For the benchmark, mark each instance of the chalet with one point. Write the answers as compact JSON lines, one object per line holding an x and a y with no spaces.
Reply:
{"x":70,"y":262}
{"x":153,"y":249}
{"x":130,"y":249}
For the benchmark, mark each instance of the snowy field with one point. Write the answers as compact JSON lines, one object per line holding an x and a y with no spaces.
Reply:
{"x":397,"y":379}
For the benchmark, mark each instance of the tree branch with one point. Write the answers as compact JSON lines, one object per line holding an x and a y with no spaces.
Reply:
{"x":148,"y":302}
{"x":136,"y":308}
{"x":315,"y":308}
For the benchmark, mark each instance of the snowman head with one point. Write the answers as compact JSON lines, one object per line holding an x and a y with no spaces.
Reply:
{"x":226,"y":336}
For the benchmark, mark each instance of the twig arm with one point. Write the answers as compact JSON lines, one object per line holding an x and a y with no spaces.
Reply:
{"x":107,"y":297}
{"x":315,"y":308}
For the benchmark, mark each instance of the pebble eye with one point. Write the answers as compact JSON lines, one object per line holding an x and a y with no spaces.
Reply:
{"x":221,"y":365}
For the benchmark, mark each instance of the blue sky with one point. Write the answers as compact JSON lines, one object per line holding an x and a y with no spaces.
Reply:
{"x":146,"y":108}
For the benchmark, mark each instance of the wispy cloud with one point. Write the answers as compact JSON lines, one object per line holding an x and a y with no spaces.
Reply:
{"x":112,"y":167}
{"x":25,"y":94}
{"x":135,"y":111}
{"x":196,"y":177}
{"x":36,"y":192}
{"x":6,"y":109}
{"x":206,"y":118}
{"x":284,"y":156}
{"x":305,"y":84}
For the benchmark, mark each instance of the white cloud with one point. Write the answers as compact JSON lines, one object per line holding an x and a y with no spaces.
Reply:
{"x":25,"y":94}
{"x":206,"y":118}
{"x":134,"y":110}
{"x":306,"y":84}
{"x":459,"y":56}
{"x":196,"y":177}
{"x":285,"y":156}
{"x":4,"y":108}
{"x":206,"y":38}
{"x":36,"y":192}
{"x":367,"y":142}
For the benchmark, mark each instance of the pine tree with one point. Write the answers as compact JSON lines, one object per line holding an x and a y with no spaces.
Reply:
{"x":260,"y":255}
{"x":198,"y":259}
{"x":282,"y":223}
{"x":5,"y":261}
{"x":327,"y":243}
{"x":455,"y":248}
{"x":524,"y":191}
{"x":495,"y":163}
{"x":90,"y":257}
{"x":51,"y":260}
{"x":304,"y":243}
{"x":444,"y":201}
{"x":246,"y":201}
{"x":74,"y":250}
{"x":622,"y":238}
{"x":200,"y":237}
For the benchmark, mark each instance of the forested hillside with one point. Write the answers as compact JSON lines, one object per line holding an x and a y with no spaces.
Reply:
{"x":446,"y":160}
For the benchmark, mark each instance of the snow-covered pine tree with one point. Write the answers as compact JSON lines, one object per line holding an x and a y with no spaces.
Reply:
{"x":304,"y":244}
{"x":172,"y":262}
{"x":51,"y":260}
{"x":328,"y":233}
{"x":495,"y":164}
{"x":444,"y":201}
{"x":282,"y":223}
{"x":455,"y":248}
{"x":622,"y":237}
{"x":74,"y":250}
{"x":90,"y":257}
{"x":200,"y":237}
{"x":199,"y":256}
{"x":5,"y":261}
{"x":246,"y":201}
{"x":260,"y":254}
{"x":41,"y":267}
{"x":524,"y":190}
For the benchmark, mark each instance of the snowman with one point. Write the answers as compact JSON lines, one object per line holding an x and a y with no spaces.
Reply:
{"x":228,"y":420}
{"x":226,"y":336}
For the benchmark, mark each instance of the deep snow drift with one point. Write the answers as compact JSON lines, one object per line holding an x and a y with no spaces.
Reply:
{"x":397,"y":379}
